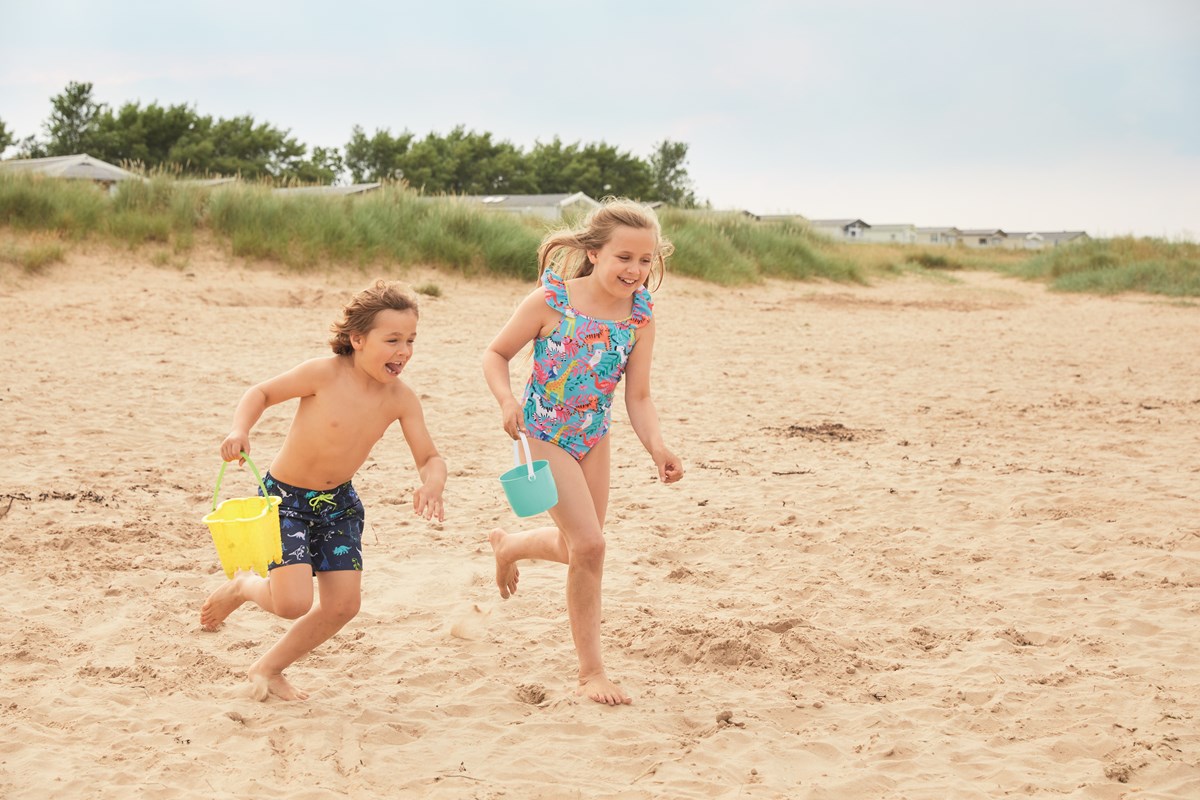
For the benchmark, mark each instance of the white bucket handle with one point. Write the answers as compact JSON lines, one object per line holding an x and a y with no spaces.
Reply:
{"x":528,"y":455}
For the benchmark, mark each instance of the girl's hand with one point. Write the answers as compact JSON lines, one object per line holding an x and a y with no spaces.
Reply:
{"x":670,"y":468}
{"x":234,"y":445}
{"x":427,"y":503}
{"x":512,"y":419}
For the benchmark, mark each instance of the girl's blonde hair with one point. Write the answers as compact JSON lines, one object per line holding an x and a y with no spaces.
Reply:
{"x":565,"y":250}
{"x":358,"y":316}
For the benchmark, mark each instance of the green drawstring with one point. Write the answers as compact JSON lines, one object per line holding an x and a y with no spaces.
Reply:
{"x":321,"y":498}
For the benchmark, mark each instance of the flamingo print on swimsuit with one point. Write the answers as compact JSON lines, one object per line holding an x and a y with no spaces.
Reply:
{"x":576,"y":370}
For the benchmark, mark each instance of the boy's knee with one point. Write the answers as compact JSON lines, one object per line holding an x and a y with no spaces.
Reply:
{"x":293,"y":609}
{"x":342,"y":611}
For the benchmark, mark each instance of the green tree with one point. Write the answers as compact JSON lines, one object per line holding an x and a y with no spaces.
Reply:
{"x":146,"y":135}
{"x":464,"y":162}
{"x":6,"y":137}
{"x":597,"y":169}
{"x":324,"y":166}
{"x":377,"y":158}
{"x":31,"y":147}
{"x":668,"y":166}
{"x":552,"y":167}
{"x":72,"y":125}
{"x":600,"y":170}
{"x":238,"y":146}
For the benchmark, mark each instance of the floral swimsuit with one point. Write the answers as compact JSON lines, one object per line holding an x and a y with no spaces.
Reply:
{"x":576,"y":369}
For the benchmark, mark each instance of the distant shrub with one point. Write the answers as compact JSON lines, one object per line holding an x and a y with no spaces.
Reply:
{"x":933,"y":261}
{"x":1109,"y":266}
{"x":731,"y":248}
{"x":33,"y":259}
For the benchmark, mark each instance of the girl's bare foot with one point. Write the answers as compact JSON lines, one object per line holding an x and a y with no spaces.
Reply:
{"x":264,"y":684}
{"x":602,"y":690}
{"x":223,"y":602}
{"x":507,"y":574}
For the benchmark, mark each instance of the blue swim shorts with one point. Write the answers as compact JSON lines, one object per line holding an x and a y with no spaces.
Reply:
{"x":321,"y":529}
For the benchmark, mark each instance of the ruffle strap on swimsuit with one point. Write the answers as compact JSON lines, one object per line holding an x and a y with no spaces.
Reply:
{"x":557,"y":298}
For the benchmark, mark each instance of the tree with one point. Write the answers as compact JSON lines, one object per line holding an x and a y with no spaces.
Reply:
{"x":6,"y":137}
{"x":377,"y":158}
{"x":600,"y":170}
{"x":238,"y":146}
{"x":551,"y":167}
{"x":72,"y":125}
{"x":465,"y":162}
{"x":668,"y":164}
{"x":146,"y":135}
{"x":324,"y":166}
{"x":31,"y":147}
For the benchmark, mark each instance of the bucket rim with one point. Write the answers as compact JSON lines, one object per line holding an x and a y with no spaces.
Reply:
{"x":270,"y":502}
{"x":522,"y":472}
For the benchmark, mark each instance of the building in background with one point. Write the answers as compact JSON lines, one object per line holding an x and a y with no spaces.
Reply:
{"x":77,"y":167}
{"x":546,"y":206}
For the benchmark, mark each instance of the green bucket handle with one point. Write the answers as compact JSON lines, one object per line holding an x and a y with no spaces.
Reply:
{"x":221,"y":475}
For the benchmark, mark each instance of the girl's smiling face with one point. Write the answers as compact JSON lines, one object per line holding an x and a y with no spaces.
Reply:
{"x":623,"y":263}
{"x":388,"y":346}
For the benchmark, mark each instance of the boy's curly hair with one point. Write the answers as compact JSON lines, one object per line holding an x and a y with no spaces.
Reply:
{"x":358,"y":316}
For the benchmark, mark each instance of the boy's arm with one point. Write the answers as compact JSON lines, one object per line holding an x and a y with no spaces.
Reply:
{"x":299,"y":381}
{"x":427,"y":499}
{"x":643,"y":416}
{"x":531,"y":316}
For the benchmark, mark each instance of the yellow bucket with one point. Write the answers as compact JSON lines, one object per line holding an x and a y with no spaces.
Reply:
{"x":245,"y":529}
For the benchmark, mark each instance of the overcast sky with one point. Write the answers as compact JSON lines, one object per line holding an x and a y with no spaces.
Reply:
{"x":1050,"y":115}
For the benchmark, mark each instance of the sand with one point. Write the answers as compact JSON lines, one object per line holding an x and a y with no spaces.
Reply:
{"x":937,"y":538}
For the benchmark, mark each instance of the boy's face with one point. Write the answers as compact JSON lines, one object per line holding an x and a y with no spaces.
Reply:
{"x":386,"y":348}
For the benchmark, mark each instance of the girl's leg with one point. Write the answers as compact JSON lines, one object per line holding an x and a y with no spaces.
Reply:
{"x":286,"y":592}
{"x":548,"y":543}
{"x":338,"y":603}
{"x":577,"y":539}
{"x":593,"y":681}
{"x":596,"y":471}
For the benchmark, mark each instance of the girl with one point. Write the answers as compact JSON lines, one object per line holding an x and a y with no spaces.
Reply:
{"x":591,"y":321}
{"x":347,"y":402}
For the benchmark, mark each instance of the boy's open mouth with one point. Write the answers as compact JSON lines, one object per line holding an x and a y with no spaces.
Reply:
{"x":394,"y":367}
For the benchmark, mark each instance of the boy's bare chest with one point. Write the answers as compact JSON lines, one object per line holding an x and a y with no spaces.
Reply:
{"x":349,"y":414}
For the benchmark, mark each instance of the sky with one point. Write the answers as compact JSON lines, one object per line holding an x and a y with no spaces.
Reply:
{"x":1024,"y":116}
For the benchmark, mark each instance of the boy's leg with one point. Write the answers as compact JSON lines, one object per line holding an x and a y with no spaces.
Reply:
{"x":286,"y":592}
{"x":340,"y":595}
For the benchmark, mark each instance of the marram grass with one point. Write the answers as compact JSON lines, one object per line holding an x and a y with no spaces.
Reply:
{"x":399,"y":227}
{"x":1125,"y":264}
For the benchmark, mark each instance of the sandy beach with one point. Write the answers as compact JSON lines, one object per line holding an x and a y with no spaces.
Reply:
{"x":938,"y":538}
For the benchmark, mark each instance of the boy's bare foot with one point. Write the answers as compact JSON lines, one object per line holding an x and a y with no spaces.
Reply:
{"x":507,"y":574}
{"x":221,"y":603}
{"x":602,"y":690}
{"x":264,"y":684}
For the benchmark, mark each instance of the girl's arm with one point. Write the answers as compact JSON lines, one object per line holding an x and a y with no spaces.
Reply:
{"x":427,"y":499}
{"x":529,"y":320}
{"x":300,"y":381}
{"x":643,"y":416}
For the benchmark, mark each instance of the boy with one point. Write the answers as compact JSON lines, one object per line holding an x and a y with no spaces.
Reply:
{"x":347,"y":401}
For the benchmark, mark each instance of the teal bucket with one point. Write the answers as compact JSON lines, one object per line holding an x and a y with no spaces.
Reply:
{"x":530,"y":486}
